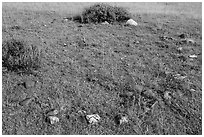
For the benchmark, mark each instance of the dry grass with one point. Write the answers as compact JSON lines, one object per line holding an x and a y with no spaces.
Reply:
{"x":105,"y":69}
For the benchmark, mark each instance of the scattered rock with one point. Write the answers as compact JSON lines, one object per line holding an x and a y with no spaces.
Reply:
{"x":80,"y":25}
{"x":65,"y":44}
{"x":26,"y":101}
{"x":123,"y":119}
{"x":120,"y":119}
{"x":139,"y":87}
{"x":180,"y":49}
{"x":166,"y":38}
{"x":182,"y":57}
{"x":29,"y":84}
{"x":52,"y":119}
{"x":167,"y":95}
{"x":82,"y":112}
{"x":191,"y":41}
{"x":148,"y":93}
{"x":193,"y":56}
{"x":131,"y":22}
{"x":183,"y":36}
{"x":65,"y":20}
{"x":179,"y":76}
{"x":126,"y":94}
{"x":52,"y":112}
{"x":93,"y":119}
{"x":16,"y":27}
{"x":105,"y":23}
{"x":53,"y":21}
{"x":192,"y":90}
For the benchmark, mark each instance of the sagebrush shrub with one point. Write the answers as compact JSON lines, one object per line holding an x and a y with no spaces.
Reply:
{"x":103,"y":12}
{"x":17,"y":55}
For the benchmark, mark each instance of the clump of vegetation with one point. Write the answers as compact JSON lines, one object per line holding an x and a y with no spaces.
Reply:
{"x":103,"y":12}
{"x":18,"y":55}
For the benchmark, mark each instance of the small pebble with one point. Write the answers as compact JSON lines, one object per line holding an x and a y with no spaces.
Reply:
{"x":183,"y":36}
{"x":193,"y":56}
{"x":179,"y":76}
{"x":29,"y":83}
{"x":123,"y":119}
{"x":180,"y":48}
{"x":105,"y":23}
{"x":120,"y":119}
{"x":25,"y":102}
{"x":53,"y":112}
{"x":53,"y":119}
{"x":167,"y":95}
{"x":93,"y":119}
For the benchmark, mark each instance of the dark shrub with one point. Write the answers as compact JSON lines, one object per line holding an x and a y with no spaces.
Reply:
{"x":103,"y":12}
{"x":17,"y":55}
{"x":78,"y":18}
{"x":121,"y":14}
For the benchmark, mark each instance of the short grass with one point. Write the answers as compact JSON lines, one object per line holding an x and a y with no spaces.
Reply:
{"x":106,"y":69}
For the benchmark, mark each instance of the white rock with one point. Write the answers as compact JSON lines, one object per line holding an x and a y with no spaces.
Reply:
{"x":93,"y":119}
{"x":167,"y":95}
{"x":190,"y":41}
{"x":53,"y":119}
{"x":53,"y":112}
{"x":193,"y":56}
{"x":179,"y":76}
{"x":123,"y":119}
{"x":131,"y":22}
{"x":137,"y":42}
{"x":105,"y":23}
{"x":180,"y":48}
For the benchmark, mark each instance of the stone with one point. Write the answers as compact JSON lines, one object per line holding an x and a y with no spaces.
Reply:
{"x":26,"y":101}
{"x":131,"y":22}
{"x":137,"y":42}
{"x":121,"y":119}
{"x":183,"y":36}
{"x":52,"y":119}
{"x":53,"y":112}
{"x":140,"y":88}
{"x":193,"y":56}
{"x":167,"y":95}
{"x":105,"y":23}
{"x":191,"y":41}
{"x":124,"y":119}
{"x":93,"y":119}
{"x":179,"y":76}
{"x":29,"y":84}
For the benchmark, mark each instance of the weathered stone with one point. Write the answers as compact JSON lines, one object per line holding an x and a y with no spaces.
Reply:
{"x":53,"y":112}
{"x":26,"y":101}
{"x":183,"y":36}
{"x":52,"y":119}
{"x":93,"y":119}
{"x":131,"y":22}
{"x":105,"y":23}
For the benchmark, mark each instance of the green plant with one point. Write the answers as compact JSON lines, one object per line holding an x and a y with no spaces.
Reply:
{"x":17,"y":55}
{"x":103,"y":12}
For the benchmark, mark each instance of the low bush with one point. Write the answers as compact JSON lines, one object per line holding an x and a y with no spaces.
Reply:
{"x":17,"y":55}
{"x":103,"y":12}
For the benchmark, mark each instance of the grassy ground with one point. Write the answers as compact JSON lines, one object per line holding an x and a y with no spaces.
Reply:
{"x":106,"y":69}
